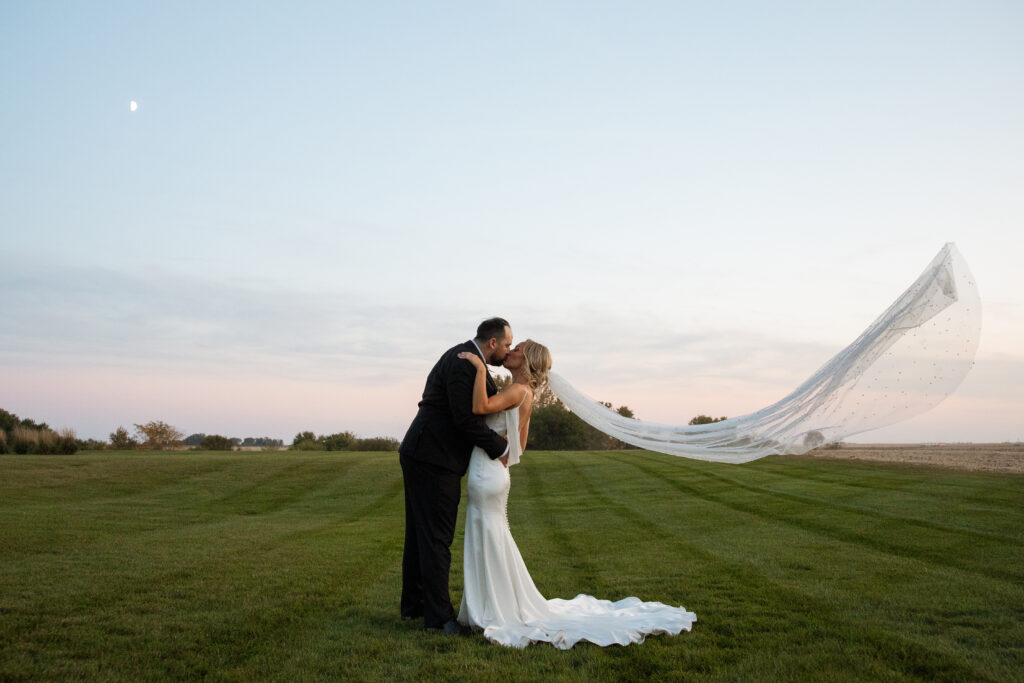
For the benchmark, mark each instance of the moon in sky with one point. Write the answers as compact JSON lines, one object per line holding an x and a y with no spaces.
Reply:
{"x":133,"y":105}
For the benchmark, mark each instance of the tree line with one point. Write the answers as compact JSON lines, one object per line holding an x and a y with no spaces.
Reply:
{"x":552,"y":428}
{"x":342,"y":441}
{"x":160,"y":435}
{"x":216,"y":442}
{"x":28,"y":437}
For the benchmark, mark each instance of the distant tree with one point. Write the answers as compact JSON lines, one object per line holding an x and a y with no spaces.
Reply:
{"x":121,"y":440}
{"x":216,"y":442}
{"x":31,"y":424}
{"x":261,"y":442}
{"x":303,"y":436}
{"x":8,"y":421}
{"x":307,"y":441}
{"x":376,"y":443}
{"x":67,"y":442}
{"x":544,"y":398}
{"x":194,"y":439}
{"x":157,"y":435}
{"x":706,"y":420}
{"x":342,"y":441}
{"x":555,"y":428}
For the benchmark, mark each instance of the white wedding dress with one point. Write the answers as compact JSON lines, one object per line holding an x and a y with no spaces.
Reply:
{"x":499,"y":596}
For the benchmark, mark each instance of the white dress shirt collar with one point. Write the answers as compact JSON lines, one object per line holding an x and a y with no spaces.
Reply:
{"x":482,"y":356}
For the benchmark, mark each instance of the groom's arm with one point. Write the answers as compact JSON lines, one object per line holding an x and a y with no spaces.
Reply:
{"x":460,"y":398}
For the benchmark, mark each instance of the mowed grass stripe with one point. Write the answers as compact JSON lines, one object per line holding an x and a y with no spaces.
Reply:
{"x":927,"y":497}
{"x":317,"y":481}
{"x":980,"y":491}
{"x":905,"y":501}
{"x":573,"y":567}
{"x":915,"y":539}
{"x":372,"y":644}
{"x":278,"y":584}
{"x":830,"y":612}
{"x":823,"y":626}
{"x":254,"y":569}
{"x":262,"y":486}
{"x":822,"y":629}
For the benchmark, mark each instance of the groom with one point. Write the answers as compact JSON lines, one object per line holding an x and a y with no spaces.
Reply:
{"x":434,"y":456}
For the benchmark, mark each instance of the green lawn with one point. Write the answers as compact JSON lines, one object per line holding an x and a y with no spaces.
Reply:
{"x":242,"y":566}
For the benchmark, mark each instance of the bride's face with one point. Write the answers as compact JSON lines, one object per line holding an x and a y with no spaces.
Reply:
{"x":514,"y":359}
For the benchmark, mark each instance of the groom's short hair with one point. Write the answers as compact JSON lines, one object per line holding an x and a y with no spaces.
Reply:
{"x":492,"y":327}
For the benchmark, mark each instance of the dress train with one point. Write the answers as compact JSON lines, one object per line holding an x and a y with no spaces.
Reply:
{"x":500,"y":598}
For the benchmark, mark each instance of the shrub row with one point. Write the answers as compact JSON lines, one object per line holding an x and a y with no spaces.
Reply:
{"x":38,"y":441}
{"x":27,"y":437}
{"x":342,"y":441}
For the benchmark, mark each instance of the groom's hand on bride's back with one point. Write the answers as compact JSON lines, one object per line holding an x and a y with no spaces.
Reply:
{"x":504,"y":460}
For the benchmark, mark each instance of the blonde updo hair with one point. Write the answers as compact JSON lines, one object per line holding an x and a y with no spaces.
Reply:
{"x":536,"y":364}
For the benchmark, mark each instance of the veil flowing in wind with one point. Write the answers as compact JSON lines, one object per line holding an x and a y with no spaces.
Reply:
{"x":906,"y":362}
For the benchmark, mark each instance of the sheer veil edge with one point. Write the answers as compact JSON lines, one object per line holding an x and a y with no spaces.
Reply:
{"x":906,"y":362}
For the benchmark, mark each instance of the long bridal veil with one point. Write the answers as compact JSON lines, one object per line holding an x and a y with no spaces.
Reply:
{"x":911,"y":358}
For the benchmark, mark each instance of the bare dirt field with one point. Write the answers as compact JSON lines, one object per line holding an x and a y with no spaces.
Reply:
{"x":986,"y":457}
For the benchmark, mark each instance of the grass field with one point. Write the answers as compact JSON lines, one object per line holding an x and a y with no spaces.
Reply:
{"x":285,"y":566}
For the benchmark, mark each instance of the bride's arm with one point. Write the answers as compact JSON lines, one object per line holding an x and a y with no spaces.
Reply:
{"x":484,"y":404}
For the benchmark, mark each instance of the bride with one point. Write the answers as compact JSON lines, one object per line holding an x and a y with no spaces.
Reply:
{"x":499,"y":596}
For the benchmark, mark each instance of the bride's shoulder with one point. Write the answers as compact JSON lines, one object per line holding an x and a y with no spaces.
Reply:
{"x":520,"y":392}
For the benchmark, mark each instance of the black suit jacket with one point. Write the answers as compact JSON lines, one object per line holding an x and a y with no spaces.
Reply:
{"x":445,"y":429}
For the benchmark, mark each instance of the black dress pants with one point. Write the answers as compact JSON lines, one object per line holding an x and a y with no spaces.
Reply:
{"x":431,"y":508}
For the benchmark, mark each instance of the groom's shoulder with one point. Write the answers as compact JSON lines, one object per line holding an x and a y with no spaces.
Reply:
{"x":459,"y":348}
{"x":451,"y":354}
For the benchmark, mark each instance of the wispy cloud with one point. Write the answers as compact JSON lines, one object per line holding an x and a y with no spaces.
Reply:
{"x":108,"y":325}
{"x":99,"y":316}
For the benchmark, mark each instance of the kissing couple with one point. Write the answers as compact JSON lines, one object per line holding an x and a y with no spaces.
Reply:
{"x":465,"y":424}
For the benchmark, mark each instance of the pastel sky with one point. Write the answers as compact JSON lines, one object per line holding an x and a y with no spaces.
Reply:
{"x":694,"y":205}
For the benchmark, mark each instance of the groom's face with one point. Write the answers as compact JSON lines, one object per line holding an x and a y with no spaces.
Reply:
{"x":500,"y":347}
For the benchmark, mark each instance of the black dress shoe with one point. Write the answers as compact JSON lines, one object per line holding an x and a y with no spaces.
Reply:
{"x":450,"y":628}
